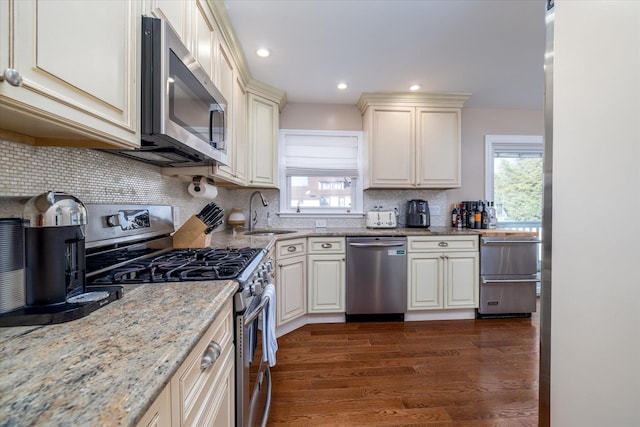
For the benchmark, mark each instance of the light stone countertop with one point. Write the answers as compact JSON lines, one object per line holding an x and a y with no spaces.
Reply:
{"x":108,"y":367}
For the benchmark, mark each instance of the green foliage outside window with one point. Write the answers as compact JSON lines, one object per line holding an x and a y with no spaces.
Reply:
{"x":518,"y":189}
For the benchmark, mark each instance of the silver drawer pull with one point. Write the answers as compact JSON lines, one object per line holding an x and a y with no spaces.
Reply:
{"x":327,"y":245}
{"x":443,"y":244}
{"x":211,"y":355}
{"x":291,"y":248}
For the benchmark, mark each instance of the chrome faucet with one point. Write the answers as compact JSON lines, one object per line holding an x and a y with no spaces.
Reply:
{"x":253,"y":216}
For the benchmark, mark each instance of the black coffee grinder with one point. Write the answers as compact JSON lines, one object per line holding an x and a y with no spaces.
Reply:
{"x":54,"y":248}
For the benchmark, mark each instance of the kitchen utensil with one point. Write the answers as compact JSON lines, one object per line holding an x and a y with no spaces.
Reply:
{"x":418,"y":213}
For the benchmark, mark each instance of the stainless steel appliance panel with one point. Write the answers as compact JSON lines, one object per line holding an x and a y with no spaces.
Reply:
{"x":508,"y":275}
{"x":503,"y":294}
{"x":376,"y":275}
{"x":507,"y":255}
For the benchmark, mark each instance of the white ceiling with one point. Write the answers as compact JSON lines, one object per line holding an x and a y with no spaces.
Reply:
{"x":492,"y":49}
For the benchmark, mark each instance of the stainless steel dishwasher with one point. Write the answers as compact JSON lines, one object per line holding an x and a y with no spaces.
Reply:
{"x":376,"y":278}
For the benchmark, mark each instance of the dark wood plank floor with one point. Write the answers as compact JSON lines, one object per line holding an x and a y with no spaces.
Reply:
{"x":438,"y":373}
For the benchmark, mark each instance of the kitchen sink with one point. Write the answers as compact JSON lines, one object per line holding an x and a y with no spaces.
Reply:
{"x":268,"y":232}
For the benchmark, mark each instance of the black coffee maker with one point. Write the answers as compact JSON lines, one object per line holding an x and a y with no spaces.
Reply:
{"x":54,"y":248}
{"x":418,"y":213}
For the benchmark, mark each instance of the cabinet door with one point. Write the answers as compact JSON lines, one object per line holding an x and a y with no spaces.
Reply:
{"x":391,"y":153}
{"x":291,"y":295}
{"x":438,"y":148}
{"x":236,"y":170}
{"x":205,"y":36}
{"x":79,"y":74}
{"x":159,"y":413}
{"x":263,"y":142}
{"x":326,"y":283}
{"x":175,"y":12}
{"x":425,"y":278}
{"x":462,"y":280}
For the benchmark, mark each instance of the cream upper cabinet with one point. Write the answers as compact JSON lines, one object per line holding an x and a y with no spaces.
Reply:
{"x":236,"y":169}
{"x":204,"y":37}
{"x":263,"y":123}
{"x":79,"y":75}
{"x":177,"y":13}
{"x":412,"y":140}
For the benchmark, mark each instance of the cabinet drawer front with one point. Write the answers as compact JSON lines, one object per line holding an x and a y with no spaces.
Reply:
{"x":293,"y":247}
{"x":192,"y":383}
{"x":442,"y":243}
{"x":328,"y":245}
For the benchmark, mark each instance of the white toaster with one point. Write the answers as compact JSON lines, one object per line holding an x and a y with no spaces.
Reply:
{"x":381,"y":219}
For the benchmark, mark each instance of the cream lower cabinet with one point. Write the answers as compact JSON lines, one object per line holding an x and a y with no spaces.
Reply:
{"x":200,"y":395}
{"x":326,"y":275}
{"x":291,"y":283}
{"x":79,"y":75}
{"x":443,"y":273}
{"x":412,"y":140}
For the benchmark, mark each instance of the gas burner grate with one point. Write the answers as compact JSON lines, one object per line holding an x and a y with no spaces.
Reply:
{"x":181,"y":265}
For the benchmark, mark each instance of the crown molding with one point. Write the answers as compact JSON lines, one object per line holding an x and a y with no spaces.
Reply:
{"x":409,"y":99}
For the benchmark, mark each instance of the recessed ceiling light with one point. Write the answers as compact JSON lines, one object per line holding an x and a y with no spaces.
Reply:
{"x":342,"y":86}
{"x":414,"y":87}
{"x":263,"y":52}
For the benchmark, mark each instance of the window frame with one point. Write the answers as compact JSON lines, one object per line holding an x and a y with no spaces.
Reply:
{"x":513,"y":142}
{"x":357,"y":201}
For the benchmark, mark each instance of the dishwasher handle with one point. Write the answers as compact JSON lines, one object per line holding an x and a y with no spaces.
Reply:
{"x":377,"y":245}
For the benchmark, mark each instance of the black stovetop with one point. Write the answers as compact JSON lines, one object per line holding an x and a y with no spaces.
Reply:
{"x":179,"y":265}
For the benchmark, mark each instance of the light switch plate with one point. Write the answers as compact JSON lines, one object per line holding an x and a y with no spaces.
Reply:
{"x":434,"y":210}
{"x":321,"y":223}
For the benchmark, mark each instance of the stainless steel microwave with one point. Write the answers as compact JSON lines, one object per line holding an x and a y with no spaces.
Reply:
{"x":183,"y":114}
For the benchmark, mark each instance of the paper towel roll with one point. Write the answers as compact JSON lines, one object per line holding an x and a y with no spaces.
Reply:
{"x":203,"y":190}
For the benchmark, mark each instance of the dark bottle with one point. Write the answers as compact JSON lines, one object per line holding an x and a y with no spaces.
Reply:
{"x":478,"y":215}
{"x":472,"y":216}
{"x":454,"y":216}
{"x":465,"y":215}
{"x":485,"y":216}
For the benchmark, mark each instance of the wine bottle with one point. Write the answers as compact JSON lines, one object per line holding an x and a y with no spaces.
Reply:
{"x":471,"y":220}
{"x":454,"y":216}
{"x":478,"y":215}
{"x":493,"y":219}
{"x":465,"y":215}
{"x":485,"y":216}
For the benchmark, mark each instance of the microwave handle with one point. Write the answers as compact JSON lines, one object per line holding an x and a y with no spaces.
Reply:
{"x":212,"y":111}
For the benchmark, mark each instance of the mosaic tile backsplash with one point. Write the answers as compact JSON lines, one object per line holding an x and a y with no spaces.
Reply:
{"x":99,"y":177}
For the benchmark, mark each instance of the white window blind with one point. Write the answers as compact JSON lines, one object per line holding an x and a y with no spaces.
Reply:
{"x":318,"y":155}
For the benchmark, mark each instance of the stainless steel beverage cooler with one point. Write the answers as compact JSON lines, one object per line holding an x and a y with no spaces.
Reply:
{"x":508,"y":276}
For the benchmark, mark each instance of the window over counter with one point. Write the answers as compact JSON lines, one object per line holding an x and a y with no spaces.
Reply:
{"x":514,"y":179}
{"x":320,"y":172}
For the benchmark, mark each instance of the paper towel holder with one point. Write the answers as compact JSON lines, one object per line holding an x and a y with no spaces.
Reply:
{"x":197,"y":180}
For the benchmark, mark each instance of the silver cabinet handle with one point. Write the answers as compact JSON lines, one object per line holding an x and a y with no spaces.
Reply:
{"x":443,"y":244}
{"x":327,"y":245}
{"x":211,"y":355}
{"x":291,"y":248}
{"x":12,"y":76}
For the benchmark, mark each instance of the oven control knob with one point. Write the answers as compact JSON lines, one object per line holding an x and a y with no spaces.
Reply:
{"x":256,"y":287}
{"x":269,"y":266}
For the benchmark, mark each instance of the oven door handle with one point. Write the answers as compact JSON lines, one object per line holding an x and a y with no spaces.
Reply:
{"x":251,"y":316}
{"x":507,"y":242}
{"x":533,"y":280}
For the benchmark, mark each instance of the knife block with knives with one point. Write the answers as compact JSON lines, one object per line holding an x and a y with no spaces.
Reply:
{"x":196,"y":232}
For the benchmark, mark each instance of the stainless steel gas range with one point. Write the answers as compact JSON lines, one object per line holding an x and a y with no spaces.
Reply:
{"x":131,"y":244}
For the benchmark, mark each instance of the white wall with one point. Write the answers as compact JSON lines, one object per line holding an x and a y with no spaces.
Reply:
{"x":321,"y":117}
{"x":595,"y":308}
{"x":476,"y":123}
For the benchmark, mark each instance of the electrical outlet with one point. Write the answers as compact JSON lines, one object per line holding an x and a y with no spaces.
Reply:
{"x":176,"y":216}
{"x":434,"y":210}
{"x":321,"y":223}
